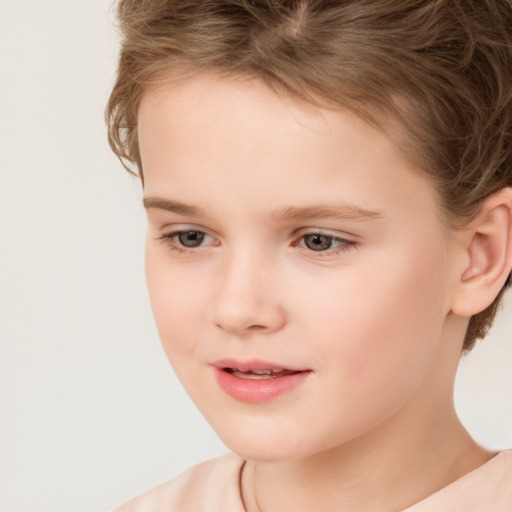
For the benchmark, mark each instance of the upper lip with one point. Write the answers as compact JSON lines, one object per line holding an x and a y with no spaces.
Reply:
{"x":255,"y":364}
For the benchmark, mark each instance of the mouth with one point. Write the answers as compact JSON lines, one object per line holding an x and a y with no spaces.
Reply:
{"x":258,"y":381}
{"x":273,"y":373}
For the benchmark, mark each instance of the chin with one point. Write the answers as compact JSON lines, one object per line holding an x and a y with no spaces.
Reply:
{"x":264,"y":444}
{"x":264,"y":452}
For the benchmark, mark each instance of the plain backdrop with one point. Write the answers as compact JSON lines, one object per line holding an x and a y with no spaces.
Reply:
{"x":91,"y":413}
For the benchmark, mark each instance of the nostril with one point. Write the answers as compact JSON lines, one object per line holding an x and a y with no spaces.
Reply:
{"x":245,"y":317}
{"x":226,"y":326}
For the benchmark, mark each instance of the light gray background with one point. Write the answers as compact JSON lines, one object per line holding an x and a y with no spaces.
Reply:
{"x":91,"y":414}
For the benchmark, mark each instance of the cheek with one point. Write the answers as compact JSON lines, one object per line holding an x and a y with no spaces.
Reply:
{"x":378,"y":324}
{"x":176,"y":300}
{"x":375,"y":344}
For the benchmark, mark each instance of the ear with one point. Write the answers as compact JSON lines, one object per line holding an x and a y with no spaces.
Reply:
{"x":487,"y":256}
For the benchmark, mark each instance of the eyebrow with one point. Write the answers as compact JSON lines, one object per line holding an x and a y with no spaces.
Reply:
{"x":290,"y":213}
{"x":342,"y":212}
{"x":160,"y":203}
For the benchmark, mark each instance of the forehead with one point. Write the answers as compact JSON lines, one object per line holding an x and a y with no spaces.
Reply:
{"x":236,"y":112}
{"x":213,"y":103}
{"x":208,"y":130}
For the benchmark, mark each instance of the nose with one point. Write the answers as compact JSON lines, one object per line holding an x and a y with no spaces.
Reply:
{"x":247,"y":299}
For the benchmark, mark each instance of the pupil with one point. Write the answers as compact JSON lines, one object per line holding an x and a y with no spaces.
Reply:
{"x":318,"y":242}
{"x":191,"y":238}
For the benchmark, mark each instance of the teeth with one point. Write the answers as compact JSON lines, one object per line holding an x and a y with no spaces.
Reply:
{"x":258,"y":374}
{"x":261,"y":372}
{"x":250,"y":375}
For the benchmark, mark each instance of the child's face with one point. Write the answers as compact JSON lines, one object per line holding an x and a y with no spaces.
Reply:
{"x":308,"y":243}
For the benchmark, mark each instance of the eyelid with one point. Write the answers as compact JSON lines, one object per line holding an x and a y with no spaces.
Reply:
{"x":349,"y":237}
{"x":168,"y":235}
{"x":346,"y":242}
{"x":182,"y":227}
{"x":177,"y":232}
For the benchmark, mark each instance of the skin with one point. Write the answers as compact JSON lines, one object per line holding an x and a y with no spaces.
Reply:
{"x":374,"y":426}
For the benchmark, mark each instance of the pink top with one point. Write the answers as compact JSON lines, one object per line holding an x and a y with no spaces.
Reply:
{"x":213,"y":486}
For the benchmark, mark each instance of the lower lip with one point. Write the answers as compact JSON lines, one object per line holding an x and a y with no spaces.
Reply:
{"x":258,"y":390}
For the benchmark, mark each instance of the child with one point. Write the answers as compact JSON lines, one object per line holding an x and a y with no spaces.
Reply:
{"x":328,"y":187}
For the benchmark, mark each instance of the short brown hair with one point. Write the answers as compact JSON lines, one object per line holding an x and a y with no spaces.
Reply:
{"x":442,"y":68}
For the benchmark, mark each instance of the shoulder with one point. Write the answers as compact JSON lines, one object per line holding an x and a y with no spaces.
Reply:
{"x":212,"y":485}
{"x":484,"y":489}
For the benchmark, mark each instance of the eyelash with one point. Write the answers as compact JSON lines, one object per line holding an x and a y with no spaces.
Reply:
{"x":344,"y":244}
{"x":170,"y":241}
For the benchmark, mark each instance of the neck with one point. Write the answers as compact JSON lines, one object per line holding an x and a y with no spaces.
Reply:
{"x":385,"y":470}
{"x":410,"y":455}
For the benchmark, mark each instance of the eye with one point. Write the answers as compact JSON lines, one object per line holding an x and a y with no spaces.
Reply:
{"x":190,"y":238}
{"x":320,"y":242}
{"x":185,"y":241}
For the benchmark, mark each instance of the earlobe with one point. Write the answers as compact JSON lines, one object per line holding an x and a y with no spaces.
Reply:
{"x":488,"y":256}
